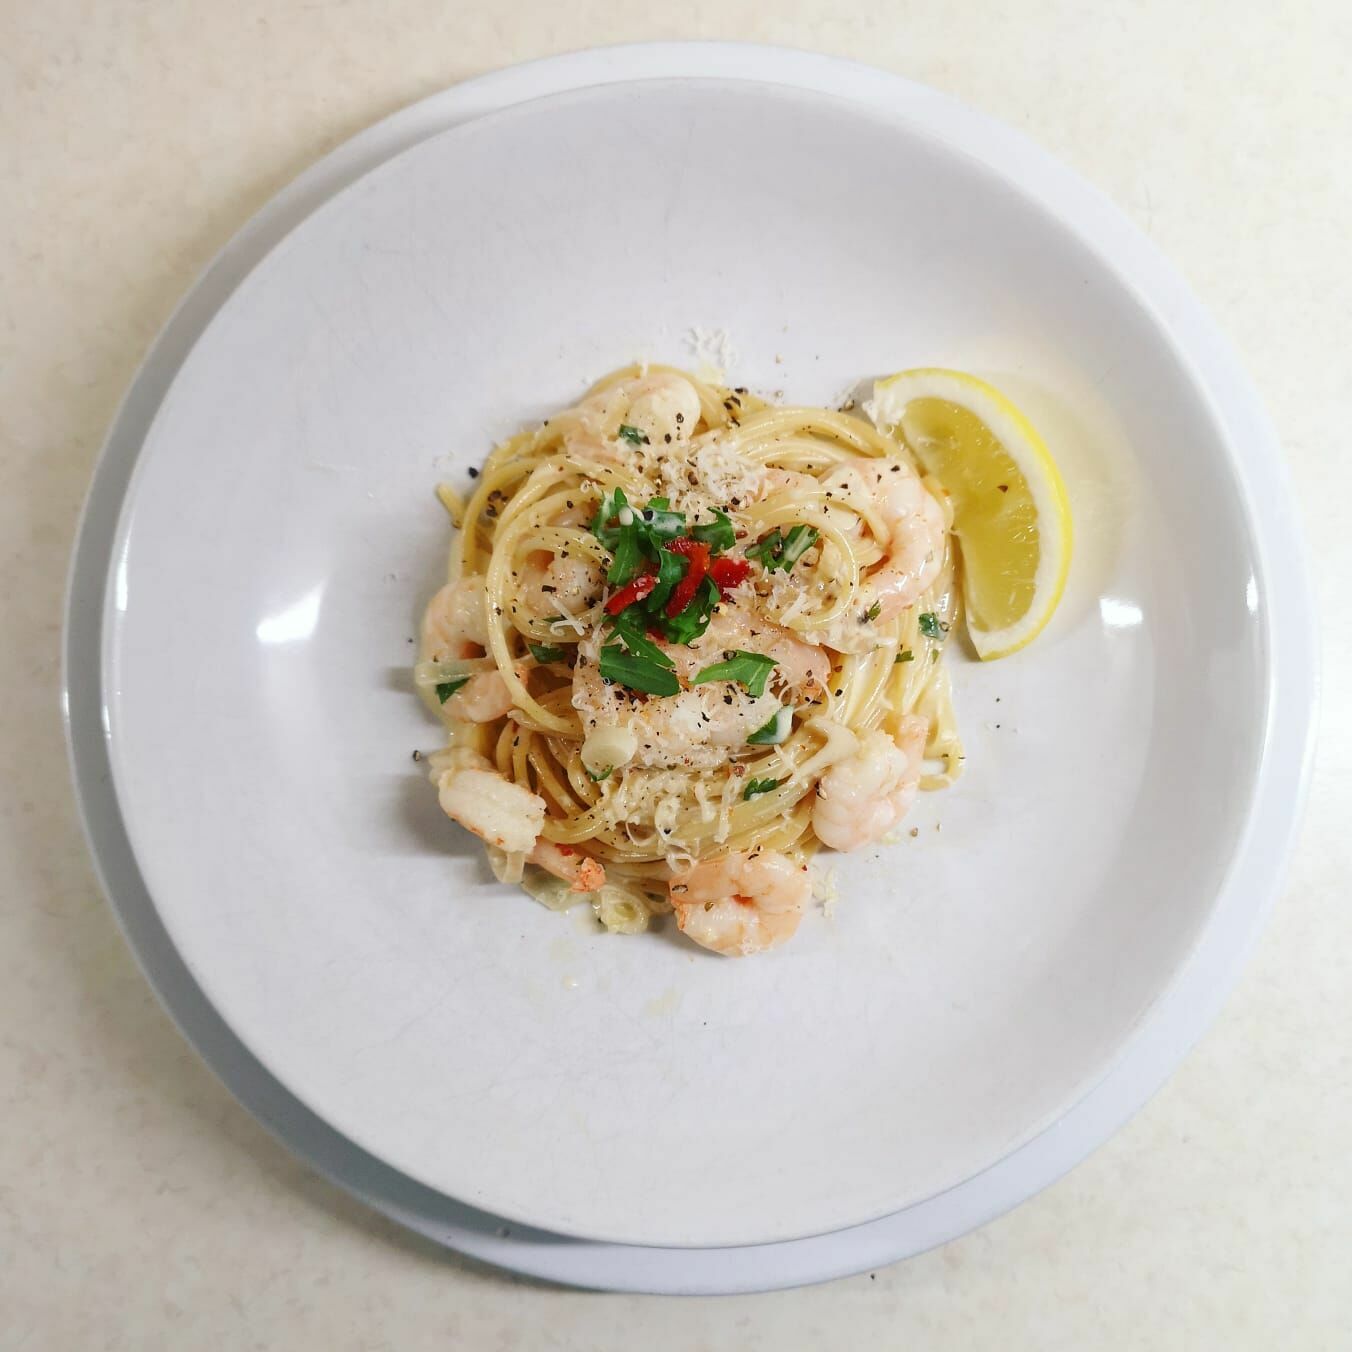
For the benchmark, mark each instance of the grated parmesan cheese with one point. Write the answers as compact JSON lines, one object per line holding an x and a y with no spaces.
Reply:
{"x":732,"y":789}
{"x":713,"y":350}
{"x":825,"y":890}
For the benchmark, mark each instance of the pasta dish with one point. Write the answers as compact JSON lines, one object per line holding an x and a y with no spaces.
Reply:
{"x":688,"y":639}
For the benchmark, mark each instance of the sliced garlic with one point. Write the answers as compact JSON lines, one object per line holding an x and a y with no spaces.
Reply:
{"x":607,"y":749}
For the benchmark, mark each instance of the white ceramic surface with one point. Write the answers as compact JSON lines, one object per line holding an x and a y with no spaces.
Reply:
{"x":1043,"y":1162}
{"x":281,"y":535}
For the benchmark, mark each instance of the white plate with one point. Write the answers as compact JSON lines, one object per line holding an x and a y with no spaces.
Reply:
{"x":281,"y":535}
{"x":416,"y":484}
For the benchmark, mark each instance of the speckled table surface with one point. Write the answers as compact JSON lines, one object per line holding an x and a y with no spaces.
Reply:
{"x":140,"y":1207}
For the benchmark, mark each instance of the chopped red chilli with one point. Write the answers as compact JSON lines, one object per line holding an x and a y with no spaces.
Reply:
{"x":728,"y":572}
{"x":698,"y":556}
{"x":635,"y":591}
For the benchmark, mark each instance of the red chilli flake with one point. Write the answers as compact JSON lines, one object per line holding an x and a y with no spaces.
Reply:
{"x":684,"y":592}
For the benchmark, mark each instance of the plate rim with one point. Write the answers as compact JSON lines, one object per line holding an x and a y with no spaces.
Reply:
{"x":1209,"y":971}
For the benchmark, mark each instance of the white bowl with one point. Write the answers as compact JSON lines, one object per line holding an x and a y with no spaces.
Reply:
{"x":280,"y":535}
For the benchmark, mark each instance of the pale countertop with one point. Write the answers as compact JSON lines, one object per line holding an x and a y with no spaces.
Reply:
{"x":140,"y":1206}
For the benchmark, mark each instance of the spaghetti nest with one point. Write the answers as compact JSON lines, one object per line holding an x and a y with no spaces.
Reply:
{"x":688,"y":637}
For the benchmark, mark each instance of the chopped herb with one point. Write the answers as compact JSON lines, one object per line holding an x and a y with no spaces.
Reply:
{"x":628,"y":628}
{"x":930,"y":626}
{"x":633,"y":435}
{"x":632,"y":534}
{"x":638,"y":673}
{"x":906,"y":655}
{"x":670,"y":570}
{"x":445,"y":689}
{"x":778,"y":550}
{"x":661,"y":521}
{"x":625,"y":559}
{"x":775,"y":731}
{"x":873,"y":612}
{"x":756,"y":786}
{"x":596,"y":779}
{"x":796,"y":543}
{"x":612,"y":504}
{"x":545,"y":652}
{"x":662,"y":525}
{"x":750,"y":669}
{"x":662,"y":573}
{"x":766,"y":550}
{"x":690,"y":623}
{"x":718,"y":534}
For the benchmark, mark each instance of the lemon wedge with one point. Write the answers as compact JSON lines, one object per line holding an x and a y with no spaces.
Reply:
{"x":1011,"y":516}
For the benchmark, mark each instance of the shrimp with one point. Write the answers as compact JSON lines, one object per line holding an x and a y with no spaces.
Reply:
{"x":510,"y":817}
{"x":483,"y":698}
{"x":454,"y":629}
{"x":455,"y":623}
{"x":913,"y":548}
{"x":800,"y":668}
{"x":569,"y":585}
{"x":861,"y":798}
{"x":504,"y":814}
{"x":699,"y":726}
{"x":661,"y":407}
{"x":741,"y":903}
{"x":569,"y":863}
{"x":776,"y":480}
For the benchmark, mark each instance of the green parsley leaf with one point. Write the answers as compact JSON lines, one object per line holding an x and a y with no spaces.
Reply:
{"x":717,"y":534}
{"x":766,"y":550}
{"x":605,"y":774}
{"x":630,"y":532}
{"x":625,"y":559}
{"x":671,"y":568}
{"x":873,"y":612}
{"x":628,"y":628}
{"x":633,"y":435}
{"x":448,"y":688}
{"x":776,"y":730}
{"x":755,"y":786}
{"x":660,"y":524}
{"x":749,"y":669}
{"x":694,"y":619}
{"x":930,"y":626}
{"x":546,"y":652}
{"x":638,"y":673}
{"x":906,"y":655}
{"x":796,"y":543}
{"x":778,"y":550}
{"x":611,"y":506}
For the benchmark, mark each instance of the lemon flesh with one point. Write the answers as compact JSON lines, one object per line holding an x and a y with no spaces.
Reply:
{"x":1011,"y":516}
